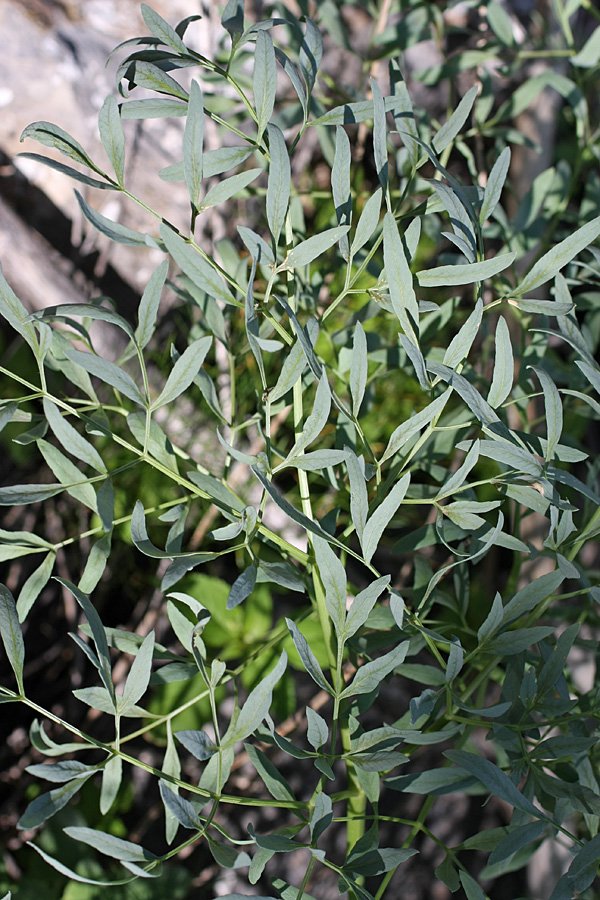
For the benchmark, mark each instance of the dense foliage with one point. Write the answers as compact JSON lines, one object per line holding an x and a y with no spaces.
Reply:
{"x":358,"y":488}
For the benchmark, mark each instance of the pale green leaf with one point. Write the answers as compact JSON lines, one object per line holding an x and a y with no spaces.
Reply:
{"x":451,"y":128}
{"x":148,"y":308}
{"x":370,"y":676}
{"x":70,"y":439}
{"x":255,"y":708}
{"x":460,"y":345}
{"x":107,"y":372}
{"x":400,"y":280}
{"x":278,"y":187}
{"x":184,"y":371}
{"x":34,"y":585}
{"x":228,"y":188}
{"x":382,"y":516}
{"x":445,"y":276}
{"x":192,"y":143}
{"x":201,"y":273}
{"x":112,"y":774}
{"x":112,"y":137}
{"x":305,"y":252}
{"x":264,"y":81}
{"x":494,"y":186}
{"x":120,"y":234}
{"x":358,"y":368}
{"x":307,"y":657}
{"x":558,"y":257}
{"x":368,"y":221}
{"x":12,"y":637}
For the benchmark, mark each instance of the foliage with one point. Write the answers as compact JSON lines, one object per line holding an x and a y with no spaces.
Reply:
{"x":396,"y":390}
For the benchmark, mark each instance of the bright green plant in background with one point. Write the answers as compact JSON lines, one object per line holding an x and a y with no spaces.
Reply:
{"x":421,"y":424}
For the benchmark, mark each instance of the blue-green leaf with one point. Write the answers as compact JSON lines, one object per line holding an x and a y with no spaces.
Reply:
{"x":502,"y":379}
{"x":494,"y":780}
{"x":553,"y":410}
{"x":182,"y":809}
{"x":184,"y":371}
{"x":460,"y":345}
{"x":70,"y":439}
{"x":494,"y":186}
{"x":317,"y":731}
{"x":46,"y":805}
{"x":362,"y":605}
{"x":445,"y":276}
{"x":148,"y":309}
{"x":379,"y":135}
{"x":333,"y":576}
{"x":358,"y":368}
{"x":265,"y":80}
{"x":558,"y":257}
{"x":255,"y":708}
{"x":107,"y":372}
{"x":162,"y":30}
{"x":34,"y":585}
{"x":201,"y":273}
{"x":139,"y":676}
{"x":228,"y":188}
{"x":120,"y":234}
{"x":409,"y":428}
{"x":400,"y":280}
{"x":304,"y":253}
{"x":451,"y":128}
{"x":11,"y":634}
{"x":340,"y":185}
{"x":98,"y":634}
{"x":368,"y":221}
{"x":278,"y":187}
{"x":308,"y":658}
{"x":116,"y":848}
{"x":381,"y":517}
{"x":112,"y":774}
{"x":193,"y":142}
{"x":372,"y":673}
{"x":112,"y":137}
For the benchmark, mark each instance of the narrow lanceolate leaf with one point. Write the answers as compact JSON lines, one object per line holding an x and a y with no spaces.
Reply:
{"x":494,"y":186}
{"x":294,"y":514}
{"x":528,"y":597}
{"x":315,"y":460}
{"x":311,"y":53}
{"x":273,"y":780}
{"x":359,"y":500}
{"x":107,"y":372}
{"x":382,"y":516}
{"x":120,"y":234}
{"x":256,"y":706}
{"x":358,"y":368}
{"x":318,"y":730}
{"x":318,"y":418}
{"x":459,"y":477}
{"x":553,"y":410}
{"x":278,"y":188}
{"x":304,"y":253}
{"x":265,"y":80}
{"x":228,"y":188}
{"x":504,"y":366}
{"x":139,"y":676}
{"x":400,"y":280}
{"x":21,"y":494}
{"x":368,"y":221}
{"x":112,"y":137}
{"x":46,"y":805}
{"x":307,"y":657}
{"x":362,"y":605}
{"x":379,"y":135}
{"x":195,"y":266}
{"x":242,"y":587}
{"x":333,"y":575}
{"x":182,"y":809}
{"x":152,"y":77}
{"x":292,"y":73}
{"x":416,"y":358}
{"x":98,"y":634}
{"x":34,"y":586}
{"x":461,"y":343}
{"x":162,"y":30}
{"x":554,"y":260}
{"x":371,"y":674}
{"x":15,"y":313}
{"x":184,"y":371}
{"x":409,"y":428}
{"x":443,"y":276}
{"x":451,"y":128}
{"x":70,"y":439}
{"x":53,"y":136}
{"x":193,"y":140}
{"x":340,"y":184}
{"x":111,"y":782}
{"x":148,"y":309}
{"x":294,"y":365}
{"x":70,"y":172}
{"x":12,"y":638}
{"x":232,"y":19}
{"x":115,"y":847}
{"x":494,"y":780}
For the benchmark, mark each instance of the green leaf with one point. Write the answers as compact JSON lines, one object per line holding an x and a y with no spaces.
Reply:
{"x":242,"y":587}
{"x":46,"y":805}
{"x":494,"y":780}
{"x":362,"y":605}
{"x":322,"y":816}
{"x":181,"y":809}
{"x":11,"y":634}
{"x":588,"y":56}
{"x":455,"y":662}
{"x":340,"y":185}
{"x":139,"y":676}
{"x":20,"y":494}
{"x":368,"y":221}
{"x":451,"y":128}
{"x":228,"y":188}
{"x":162,"y":30}
{"x":352,"y":113}
{"x":272,"y":778}
{"x":308,"y":658}
{"x":112,"y":137}
{"x":107,"y":372}
{"x":15,"y":313}
{"x":73,"y":876}
{"x":264,"y":81}
{"x":255,"y":708}
{"x":259,"y":250}
{"x":198,"y":743}
{"x":155,"y":108}
{"x":149,"y":304}
{"x":409,"y":428}
{"x":358,"y":368}
{"x":517,"y":837}
{"x":184,"y":371}
{"x":435,"y":782}
{"x":359,"y":501}
{"x":379,"y":135}
{"x":316,"y":460}
{"x":584,"y":867}
{"x":558,"y":257}
{"x":382,"y":516}
{"x":495,"y":184}
{"x":446,"y":873}
{"x":70,"y":438}
{"x":531,"y":595}
{"x":318,"y":730}
{"x":147,"y":75}
{"x":310,"y":54}
{"x":112,"y":774}
{"x":233,"y":19}
{"x":460,"y":345}
{"x":34,"y":585}
{"x":317,"y":420}
{"x":502,"y":379}
{"x":305,"y":252}
{"x":201,"y":273}
{"x":278,"y":187}
{"x":445,"y":276}
{"x":553,"y":410}
{"x":370,"y":676}
{"x":292,"y":512}
{"x":121,"y":234}
{"x":333,"y":575}
{"x":61,"y":772}
{"x":500,"y":22}
{"x":214,"y":162}
{"x":53,"y":136}
{"x":192,"y":143}
{"x":492,"y":621}
{"x":69,"y":172}
{"x":400,"y":280}
{"x":109,"y":845}
{"x":470,"y":886}
{"x":98,"y":634}
{"x":376,"y":862}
